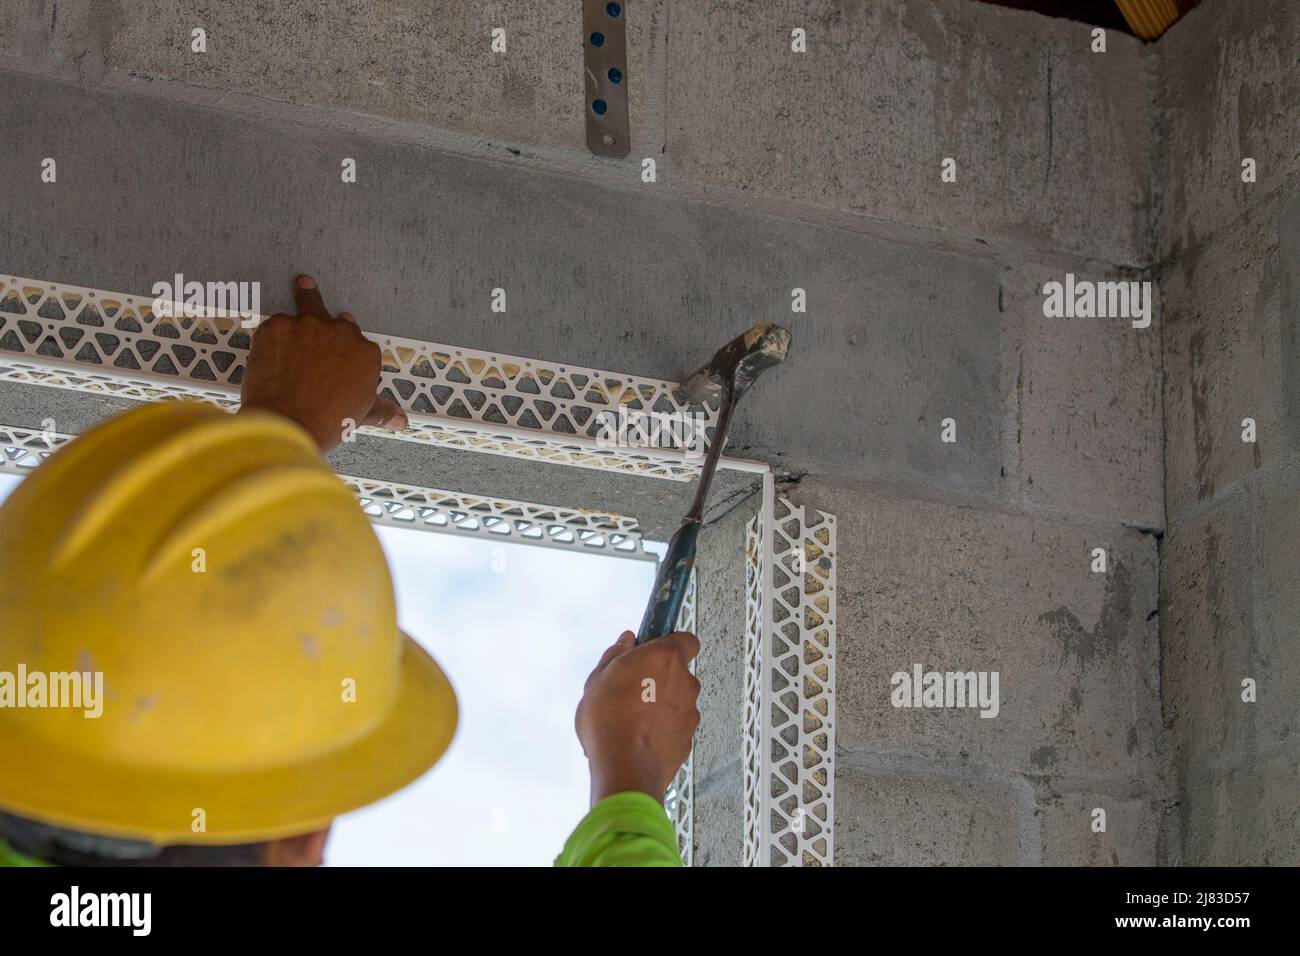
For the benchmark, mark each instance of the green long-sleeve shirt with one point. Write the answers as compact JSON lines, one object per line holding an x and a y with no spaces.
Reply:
{"x":625,"y":829}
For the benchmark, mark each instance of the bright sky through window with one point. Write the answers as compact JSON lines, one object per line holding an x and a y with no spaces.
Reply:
{"x":518,"y":629}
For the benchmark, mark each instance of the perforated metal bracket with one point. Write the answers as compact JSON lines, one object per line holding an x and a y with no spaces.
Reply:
{"x":111,"y":343}
{"x":788,"y":745}
{"x":680,"y":799}
{"x":604,"y":44}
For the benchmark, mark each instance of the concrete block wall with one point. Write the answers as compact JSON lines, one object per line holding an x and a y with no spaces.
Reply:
{"x":1229,"y":270}
{"x":775,"y":170}
{"x":718,"y":767}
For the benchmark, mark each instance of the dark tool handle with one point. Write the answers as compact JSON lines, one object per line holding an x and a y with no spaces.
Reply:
{"x":673,"y":579}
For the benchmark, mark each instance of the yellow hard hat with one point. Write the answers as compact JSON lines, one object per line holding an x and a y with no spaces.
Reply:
{"x":234,"y":598}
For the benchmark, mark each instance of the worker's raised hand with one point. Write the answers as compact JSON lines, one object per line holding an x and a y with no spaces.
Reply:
{"x":318,"y":370}
{"x":637,"y":715}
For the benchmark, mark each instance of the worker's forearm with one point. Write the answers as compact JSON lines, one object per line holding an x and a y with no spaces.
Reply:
{"x":624,"y":829}
{"x":629,"y":769}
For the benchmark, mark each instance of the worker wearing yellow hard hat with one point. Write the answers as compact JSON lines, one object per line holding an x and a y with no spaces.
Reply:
{"x":235,"y":598}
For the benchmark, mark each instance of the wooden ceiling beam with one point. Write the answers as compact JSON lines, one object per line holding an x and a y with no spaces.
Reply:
{"x":1148,"y":19}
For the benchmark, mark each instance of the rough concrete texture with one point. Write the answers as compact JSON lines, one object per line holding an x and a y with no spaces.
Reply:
{"x":1231,"y":608}
{"x":719,"y":816}
{"x":957,"y":589}
{"x":1229,"y":256}
{"x":717,"y":95}
{"x":888,"y":90}
{"x":401,"y":59}
{"x":1228,"y":91}
{"x":1275,"y":653}
{"x":1208,"y":617}
{"x":720,"y":617}
{"x":921,"y":819}
{"x":627,"y":280}
{"x":818,"y":171}
{"x":1229,"y":356}
{"x":11,"y":24}
{"x":1082,"y":417}
{"x":1069,"y":825}
{"x":1243,"y":814}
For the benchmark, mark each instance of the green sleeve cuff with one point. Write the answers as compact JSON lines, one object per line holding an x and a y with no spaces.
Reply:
{"x":625,"y":829}
{"x":11,"y":857}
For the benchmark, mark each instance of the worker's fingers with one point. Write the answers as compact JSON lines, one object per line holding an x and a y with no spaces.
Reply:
{"x":686,"y":642}
{"x":386,"y":413}
{"x":347,"y":317}
{"x":626,"y":641}
{"x":308,"y":298}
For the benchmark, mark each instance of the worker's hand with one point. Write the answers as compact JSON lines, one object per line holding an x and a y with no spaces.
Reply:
{"x":317,"y":370}
{"x":637,"y":715}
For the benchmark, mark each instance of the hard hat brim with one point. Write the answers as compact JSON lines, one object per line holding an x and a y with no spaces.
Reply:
{"x":68,"y":790}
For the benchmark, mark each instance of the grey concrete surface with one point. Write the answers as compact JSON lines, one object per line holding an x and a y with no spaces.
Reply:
{"x":1229,"y":255}
{"x":12,"y":21}
{"x":1275,"y":651}
{"x":719,"y":817}
{"x":633,"y":281}
{"x":887,"y":90}
{"x":1208,"y":615}
{"x":1228,"y":91}
{"x":1069,"y":827}
{"x":1242,"y":814}
{"x":958,"y":589}
{"x":921,"y":819}
{"x":1082,"y":413}
{"x":1229,"y":355}
{"x":430,"y":63}
{"x":720,"y":618}
{"x":821,"y":172}
{"x":860,"y":122}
